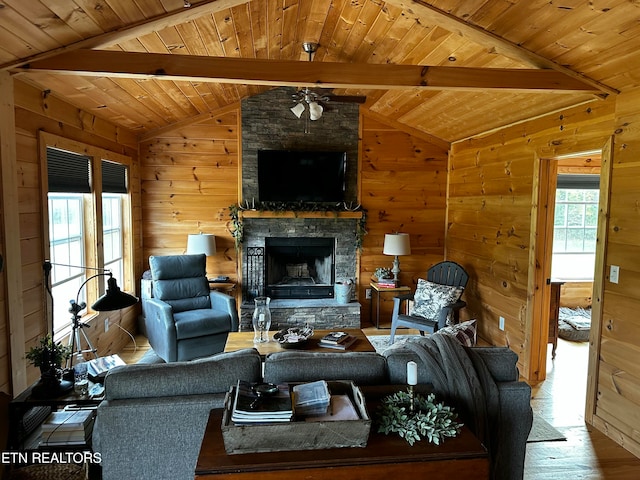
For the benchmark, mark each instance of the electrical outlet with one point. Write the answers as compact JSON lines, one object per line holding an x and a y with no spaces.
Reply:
{"x":367,"y":294}
{"x":501,"y":323}
{"x":106,"y":324}
{"x":614,"y":273}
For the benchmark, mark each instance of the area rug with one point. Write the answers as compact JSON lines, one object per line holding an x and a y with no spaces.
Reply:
{"x":542,"y":431}
{"x":382,"y":342}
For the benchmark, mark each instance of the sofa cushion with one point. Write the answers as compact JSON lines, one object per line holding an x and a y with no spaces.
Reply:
{"x":214,"y":374}
{"x":364,"y":368}
{"x":431,"y":297}
{"x":464,"y":332}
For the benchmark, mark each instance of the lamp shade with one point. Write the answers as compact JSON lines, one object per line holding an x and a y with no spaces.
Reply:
{"x":298,"y":110}
{"x":396,"y":244}
{"x":114,"y":299}
{"x":201,"y":243}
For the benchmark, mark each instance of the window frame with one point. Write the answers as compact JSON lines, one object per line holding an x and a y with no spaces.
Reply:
{"x":93,"y":222}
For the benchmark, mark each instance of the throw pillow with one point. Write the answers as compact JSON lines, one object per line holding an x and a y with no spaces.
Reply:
{"x":465,"y":332}
{"x":431,"y":297}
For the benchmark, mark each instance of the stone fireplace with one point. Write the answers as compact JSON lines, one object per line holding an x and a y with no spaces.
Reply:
{"x":295,"y":258}
{"x":296,"y":261}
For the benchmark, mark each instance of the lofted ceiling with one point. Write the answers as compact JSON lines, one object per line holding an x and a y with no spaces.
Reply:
{"x":519,"y":59}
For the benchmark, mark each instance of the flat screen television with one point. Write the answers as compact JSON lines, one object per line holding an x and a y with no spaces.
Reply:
{"x":301,"y":176}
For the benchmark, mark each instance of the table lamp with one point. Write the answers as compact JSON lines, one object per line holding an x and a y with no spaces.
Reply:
{"x":396,"y":244}
{"x":198,"y":243}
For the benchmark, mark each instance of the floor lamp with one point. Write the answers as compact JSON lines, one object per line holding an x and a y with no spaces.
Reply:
{"x":113,"y":299}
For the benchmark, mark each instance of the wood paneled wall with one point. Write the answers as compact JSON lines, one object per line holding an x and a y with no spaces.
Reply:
{"x":492,"y":216}
{"x":189,"y":178}
{"x":36,"y":111}
{"x":614,"y":370}
{"x":403,"y":183}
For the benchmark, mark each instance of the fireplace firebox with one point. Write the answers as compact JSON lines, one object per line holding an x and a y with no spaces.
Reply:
{"x":300,"y":267}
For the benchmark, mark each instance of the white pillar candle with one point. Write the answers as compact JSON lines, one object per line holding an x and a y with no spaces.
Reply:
{"x":412,"y":373}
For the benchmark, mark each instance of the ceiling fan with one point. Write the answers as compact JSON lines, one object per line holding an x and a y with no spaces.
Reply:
{"x":311,"y":101}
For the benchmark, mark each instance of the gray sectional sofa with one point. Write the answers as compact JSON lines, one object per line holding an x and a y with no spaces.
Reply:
{"x":152,"y":420}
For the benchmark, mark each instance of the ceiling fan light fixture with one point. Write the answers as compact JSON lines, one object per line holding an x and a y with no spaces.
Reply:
{"x":315,"y":110}
{"x":298,"y":110}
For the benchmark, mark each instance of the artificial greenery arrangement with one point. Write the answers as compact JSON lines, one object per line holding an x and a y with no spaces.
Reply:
{"x":430,"y":420}
{"x":48,"y":354}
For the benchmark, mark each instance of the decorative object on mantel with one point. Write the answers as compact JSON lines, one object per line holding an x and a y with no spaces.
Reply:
{"x":396,"y":244}
{"x":261,"y":320}
{"x":236,"y":227}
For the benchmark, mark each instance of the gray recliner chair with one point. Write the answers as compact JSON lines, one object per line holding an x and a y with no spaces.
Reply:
{"x":184,"y":319}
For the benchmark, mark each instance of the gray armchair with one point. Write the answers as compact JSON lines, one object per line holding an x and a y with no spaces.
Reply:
{"x":444,"y":274}
{"x":184,"y":319}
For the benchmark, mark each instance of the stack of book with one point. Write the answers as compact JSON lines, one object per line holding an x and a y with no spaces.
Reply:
{"x":386,"y":283}
{"x":250,"y":407}
{"x":68,"y":427}
{"x":337,"y":340}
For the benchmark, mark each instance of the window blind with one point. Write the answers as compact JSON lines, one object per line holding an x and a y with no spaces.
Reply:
{"x":68,"y":172}
{"x":114,"y":177}
{"x":578,"y":181}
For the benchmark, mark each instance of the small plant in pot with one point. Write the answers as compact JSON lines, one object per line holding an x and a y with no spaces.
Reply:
{"x":48,"y":356}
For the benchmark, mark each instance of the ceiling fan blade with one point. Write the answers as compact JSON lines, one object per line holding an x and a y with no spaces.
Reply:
{"x":347,"y":98}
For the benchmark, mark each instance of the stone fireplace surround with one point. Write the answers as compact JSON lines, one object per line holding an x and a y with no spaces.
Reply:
{"x":323,"y":313}
{"x":267,"y":123}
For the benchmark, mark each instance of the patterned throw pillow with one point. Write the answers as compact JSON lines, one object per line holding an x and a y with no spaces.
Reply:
{"x":431,"y":297}
{"x":465,"y":332}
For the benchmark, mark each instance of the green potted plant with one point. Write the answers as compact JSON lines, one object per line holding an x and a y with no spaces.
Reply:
{"x":48,"y":355}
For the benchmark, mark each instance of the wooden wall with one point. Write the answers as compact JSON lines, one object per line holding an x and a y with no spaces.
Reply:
{"x":189,"y":178}
{"x":403,"y":188}
{"x":492,"y":218}
{"x":614,"y":385}
{"x":36,"y":111}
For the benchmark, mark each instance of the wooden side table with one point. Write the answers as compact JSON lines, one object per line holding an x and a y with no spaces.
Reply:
{"x":377,"y":295}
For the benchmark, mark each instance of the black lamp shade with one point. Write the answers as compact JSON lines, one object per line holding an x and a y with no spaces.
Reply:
{"x":114,"y":299}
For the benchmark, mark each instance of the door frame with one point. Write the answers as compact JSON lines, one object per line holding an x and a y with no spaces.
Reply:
{"x":540,"y":269}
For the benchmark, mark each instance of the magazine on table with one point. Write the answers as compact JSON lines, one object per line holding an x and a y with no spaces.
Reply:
{"x":250,"y":407}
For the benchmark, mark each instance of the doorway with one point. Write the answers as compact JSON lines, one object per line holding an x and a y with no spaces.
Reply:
{"x":552,"y":230}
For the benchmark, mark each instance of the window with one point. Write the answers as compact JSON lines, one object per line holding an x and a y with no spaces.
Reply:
{"x":75,"y":222}
{"x":575,"y":227}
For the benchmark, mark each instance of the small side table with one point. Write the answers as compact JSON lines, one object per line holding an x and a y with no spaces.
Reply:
{"x":377,"y":292}
{"x":224,"y":287}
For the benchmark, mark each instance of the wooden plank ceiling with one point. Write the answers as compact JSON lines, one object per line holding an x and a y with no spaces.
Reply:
{"x":593,"y":44}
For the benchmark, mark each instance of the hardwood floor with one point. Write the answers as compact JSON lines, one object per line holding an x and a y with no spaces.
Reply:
{"x":587,"y":454}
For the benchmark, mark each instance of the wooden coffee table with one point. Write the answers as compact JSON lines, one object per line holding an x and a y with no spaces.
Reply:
{"x":240,"y":340}
{"x":384,"y":457}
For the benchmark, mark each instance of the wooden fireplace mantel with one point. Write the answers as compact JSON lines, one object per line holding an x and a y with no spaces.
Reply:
{"x":298,"y":214}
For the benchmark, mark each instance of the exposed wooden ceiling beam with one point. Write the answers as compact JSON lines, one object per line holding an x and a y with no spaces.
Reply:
{"x":298,"y":73}
{"x":135,"y":30}
{"x":430,"y":14}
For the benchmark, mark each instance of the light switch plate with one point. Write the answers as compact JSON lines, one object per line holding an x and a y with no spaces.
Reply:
{"x":614,"y":273}
{"x":501,"y":323}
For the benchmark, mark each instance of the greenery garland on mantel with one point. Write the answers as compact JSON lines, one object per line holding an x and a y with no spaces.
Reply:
{"x":236,"y":227}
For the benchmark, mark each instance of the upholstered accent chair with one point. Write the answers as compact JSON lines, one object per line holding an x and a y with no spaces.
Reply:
{"x":184,"y":319}
{"x":436,"y":300}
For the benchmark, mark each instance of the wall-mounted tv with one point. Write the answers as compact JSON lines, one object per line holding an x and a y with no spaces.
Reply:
{"x":301,"y":176}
